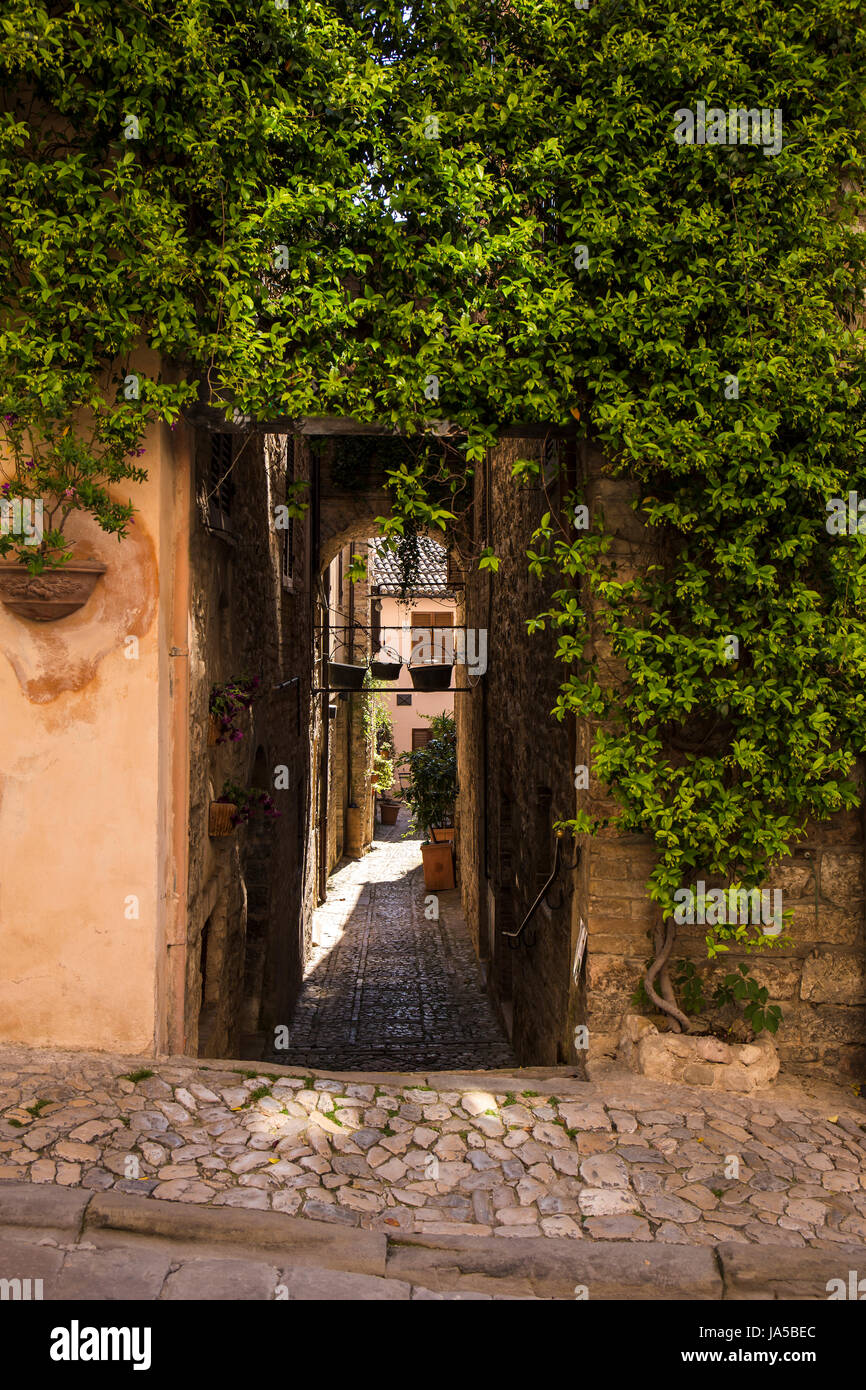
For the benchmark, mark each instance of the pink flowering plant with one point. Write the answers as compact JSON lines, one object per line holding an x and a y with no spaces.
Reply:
{"x":53,"y":470}
{"x":247,"y":801}
{"x":229,"y":702}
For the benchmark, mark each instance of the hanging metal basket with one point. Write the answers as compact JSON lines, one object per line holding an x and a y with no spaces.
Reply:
{"x":342,"y":676}
{"x":386,"y":670}
{"x":435,"y":676}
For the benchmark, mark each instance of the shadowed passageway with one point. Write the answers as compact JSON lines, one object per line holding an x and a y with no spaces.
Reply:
{"x":386,"y":988}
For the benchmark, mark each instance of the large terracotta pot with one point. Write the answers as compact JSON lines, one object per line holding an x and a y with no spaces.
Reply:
{"x":390,"y":811}
{"x":438,"y":866}
{"x":53,"y":594}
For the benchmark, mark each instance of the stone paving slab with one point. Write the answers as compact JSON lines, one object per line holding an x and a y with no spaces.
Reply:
{"x":226,"y":1280}
{"x":511,"y":1155}
{"x":110,"y":1275}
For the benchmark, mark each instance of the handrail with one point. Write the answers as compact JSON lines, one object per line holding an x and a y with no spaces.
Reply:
{"x":514,"y":935}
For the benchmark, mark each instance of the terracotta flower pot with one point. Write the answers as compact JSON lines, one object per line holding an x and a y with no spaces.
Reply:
{"x":435,"y":676}
{"x":53,"y":594}
{"x":221,"y":819}
{"x":442,"y":834}
{"x":438,"y":866}
{"x":390,"y":811}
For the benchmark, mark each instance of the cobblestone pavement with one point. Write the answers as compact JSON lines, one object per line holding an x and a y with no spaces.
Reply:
{"x":511,"y":1155}
{"x":387,"y":988}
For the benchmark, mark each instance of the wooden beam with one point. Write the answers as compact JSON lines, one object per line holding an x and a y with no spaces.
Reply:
{"x":318,"y":426}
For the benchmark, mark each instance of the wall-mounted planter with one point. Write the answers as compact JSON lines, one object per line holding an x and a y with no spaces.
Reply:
{"x":341,"y":676}
{"x":221,"y":819}
{"x":436,"y":676}
{"x":53,"y":594}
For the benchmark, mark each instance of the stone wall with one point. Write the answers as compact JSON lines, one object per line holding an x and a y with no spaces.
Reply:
{"x":511,"y":795}
{"x":515,"y":779}
{"x":818,"y":981}
{"x":248,"y":891}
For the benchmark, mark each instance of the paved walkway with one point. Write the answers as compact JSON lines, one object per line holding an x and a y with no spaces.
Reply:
{"x":617,"y":1158}
{"x":387,"y":988}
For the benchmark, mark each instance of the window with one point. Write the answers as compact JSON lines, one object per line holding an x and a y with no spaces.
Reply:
{"x":404,"y":697}
{"x":436,"y":645}
{"x":220,"y":484}
{"x":420,"y":738}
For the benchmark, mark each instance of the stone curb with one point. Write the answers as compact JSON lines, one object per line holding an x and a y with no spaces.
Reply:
{"x":780,"y":1272}
{"x":306,"y":1241}
{"x":549,"y":1267}
{"x":44,"y":1205}
{"x":552,"y":1267}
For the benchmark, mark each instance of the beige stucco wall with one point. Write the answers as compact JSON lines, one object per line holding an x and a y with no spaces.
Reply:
{"x":85,"y":802}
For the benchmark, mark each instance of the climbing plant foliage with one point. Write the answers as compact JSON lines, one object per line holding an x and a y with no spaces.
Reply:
{"x":445,"y":215}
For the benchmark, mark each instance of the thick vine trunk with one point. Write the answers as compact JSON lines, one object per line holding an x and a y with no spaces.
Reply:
{"x":663,"y":941}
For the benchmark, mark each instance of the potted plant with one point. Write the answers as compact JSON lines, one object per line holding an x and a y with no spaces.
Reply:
{"x":383,"y":773}
{"x":383,"y":779}
{"x":56,"y":472}
{"x":235,"y":805}
{"x":430,"y":795}
{"x":228,"y":703}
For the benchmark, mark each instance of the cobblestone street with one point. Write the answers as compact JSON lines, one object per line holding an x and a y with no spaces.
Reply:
{"x":618,"y":1158}
{"x":386,"y":988}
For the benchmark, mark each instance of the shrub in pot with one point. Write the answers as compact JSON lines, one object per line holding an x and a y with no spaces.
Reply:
{"x":383,"y":774}
{"x":430,"y":795}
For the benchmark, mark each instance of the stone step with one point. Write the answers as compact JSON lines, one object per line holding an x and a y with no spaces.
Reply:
{"x":83,"y":1243}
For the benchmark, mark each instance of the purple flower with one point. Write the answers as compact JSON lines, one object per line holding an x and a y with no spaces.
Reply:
{"x":9,"y":419}
{"x":6,"y":489}
{"x":69,"y":493}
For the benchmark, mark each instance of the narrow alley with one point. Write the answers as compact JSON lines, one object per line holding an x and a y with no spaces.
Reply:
{"x":387,"y":987}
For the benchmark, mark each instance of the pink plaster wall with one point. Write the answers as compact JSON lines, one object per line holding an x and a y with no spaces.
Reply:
{"x":409,"y":717}
{"x":84,"y":801}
